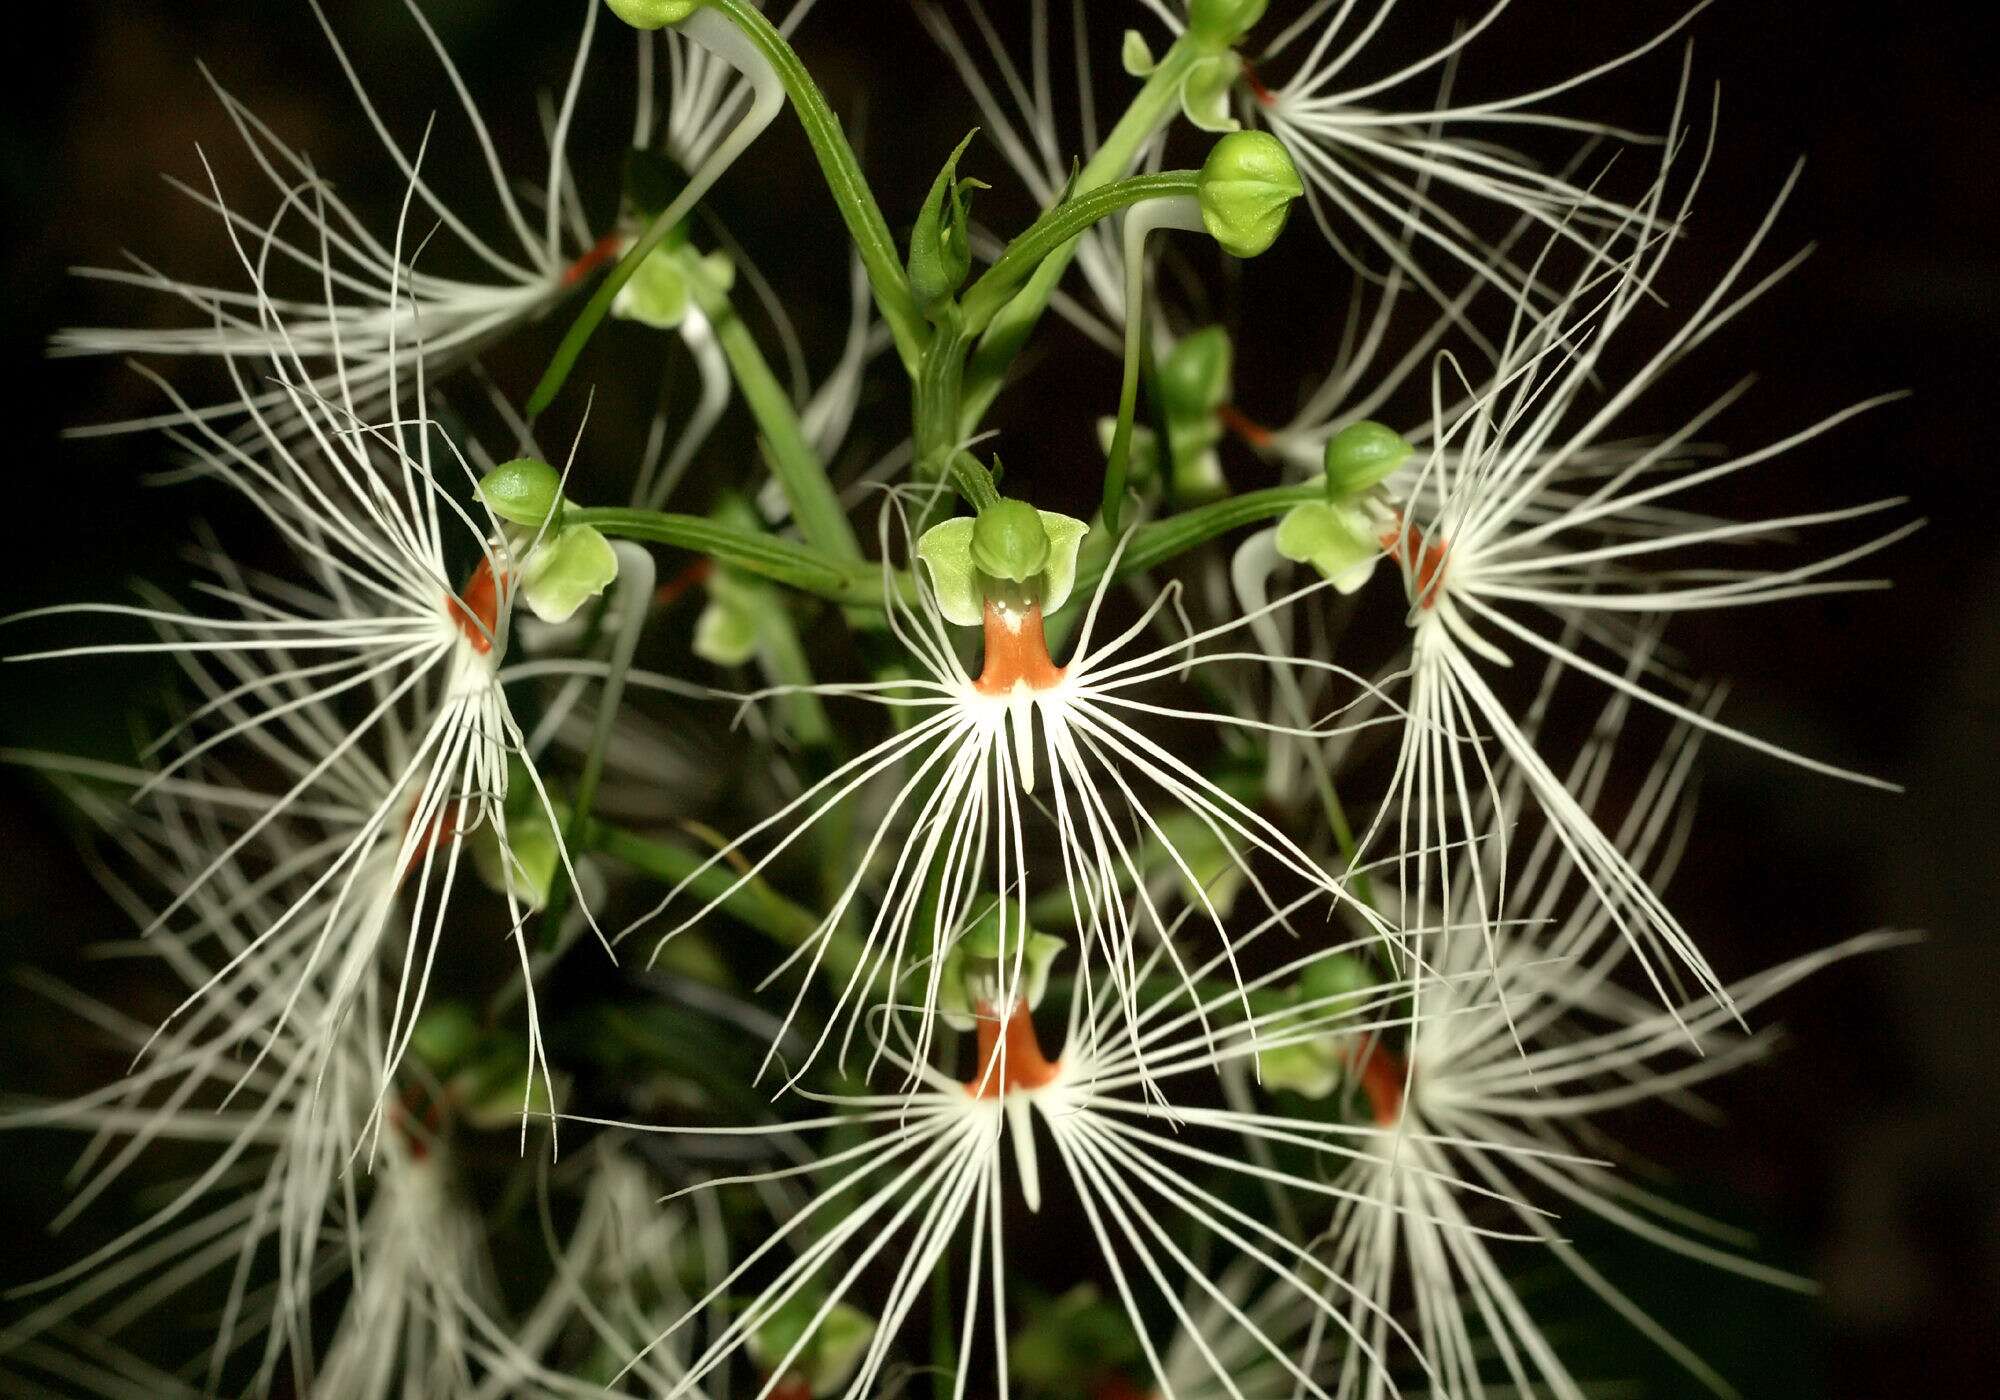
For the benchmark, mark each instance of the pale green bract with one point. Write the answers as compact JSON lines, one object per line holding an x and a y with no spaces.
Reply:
{"x":946,"y":550}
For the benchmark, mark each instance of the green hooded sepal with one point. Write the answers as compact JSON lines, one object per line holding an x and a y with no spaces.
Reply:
{"x":960,"y":583}
{"x":981,"y":963}
{"x":831,"y":1348}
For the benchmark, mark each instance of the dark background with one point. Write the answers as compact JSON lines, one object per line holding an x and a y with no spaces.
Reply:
{"x":1866,"y":1151}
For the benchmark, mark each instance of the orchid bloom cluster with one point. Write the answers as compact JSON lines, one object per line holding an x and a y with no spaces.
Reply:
{"x":824,"y":921}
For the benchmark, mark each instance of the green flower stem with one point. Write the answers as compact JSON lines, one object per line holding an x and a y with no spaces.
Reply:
{"x":1151,"y":109}
{"x":1058,"y":228}
{"x":785,"y":663}
{"x":854,"y":582}
{"x":1161,"y":540}
{"x":636,"y":576}
{"x":765,"y":101}
{"x":753,"y":904}
{"x":815,"y":505}
{"x":860,"y":584}
{"x":1176,"y":211}
{"x":865,"y":224}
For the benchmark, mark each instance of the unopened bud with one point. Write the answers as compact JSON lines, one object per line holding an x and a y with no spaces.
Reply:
{"x":1246,"y":190}
{"x":653,"y":14}
{"x":522,"y":492}
{"x":1361,"y":455}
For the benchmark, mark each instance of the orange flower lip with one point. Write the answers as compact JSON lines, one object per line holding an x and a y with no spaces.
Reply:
{"x":477,"y":609}
{"x":1423,"y":561}
{"x":1382,"y":1073}
{"x":1010,"y":1055}
{"x":1017,"y":653}
{"x":600,"y":253}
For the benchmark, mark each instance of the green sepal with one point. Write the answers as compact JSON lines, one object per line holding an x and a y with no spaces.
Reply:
{"x":1312,"y":1069}
{"x":1195,"y":376}
{"x":1205,"y":92}
{"x":1079,"y":1334}
{"x":444,"y":1036}
{"x":564,"y":572}
{"x":1362,"y":455}
{"x":653,"y":14}
{"x":658,"y":294}
{"x":494,"y":1087}
{"x":1137,"y":55}
{"x":981,"y":961}
{"x":531,"y":861}
{"x":831,"y":1351}
{"x":960,"y":586}
{"x":1337,"y":975}
{"x":1202,"y":853}
{"x":1337,"y":540}
{"x":941,"y":244}
{"x":522,"y":492}
{"x":726,"y":633}
{"x":1246,"y":189}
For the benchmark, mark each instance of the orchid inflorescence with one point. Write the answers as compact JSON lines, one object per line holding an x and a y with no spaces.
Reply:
{"x":862,"y":931}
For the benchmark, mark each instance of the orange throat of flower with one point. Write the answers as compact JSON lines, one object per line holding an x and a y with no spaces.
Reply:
{"x":1422,"y":560}
{"x":1010,"y":1055}
{"x":476,"y":609}
{"x":1017,"y":652}
{"x":1382,"y":1073}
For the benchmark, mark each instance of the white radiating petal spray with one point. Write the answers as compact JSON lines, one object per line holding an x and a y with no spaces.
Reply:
{"x":363,"y":685}
{"x":973,"y":754}
{"x":362,"y":303}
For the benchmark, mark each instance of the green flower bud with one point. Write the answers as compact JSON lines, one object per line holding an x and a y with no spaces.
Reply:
{"x":522,"y":492}
{"x":1335,"y":975}
{"x":1224,"y":21}
{"x":1009,"y":541}
{"x":832,"y":1348}
{"x":1194,"y":377}
{"x":1337,"y":540}
{"x":1137,"y":55}
{"x":1360,"y":455}
{"x":653,"y":14}
{"x":1246,"y":191}
{"x":564,"y":572}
